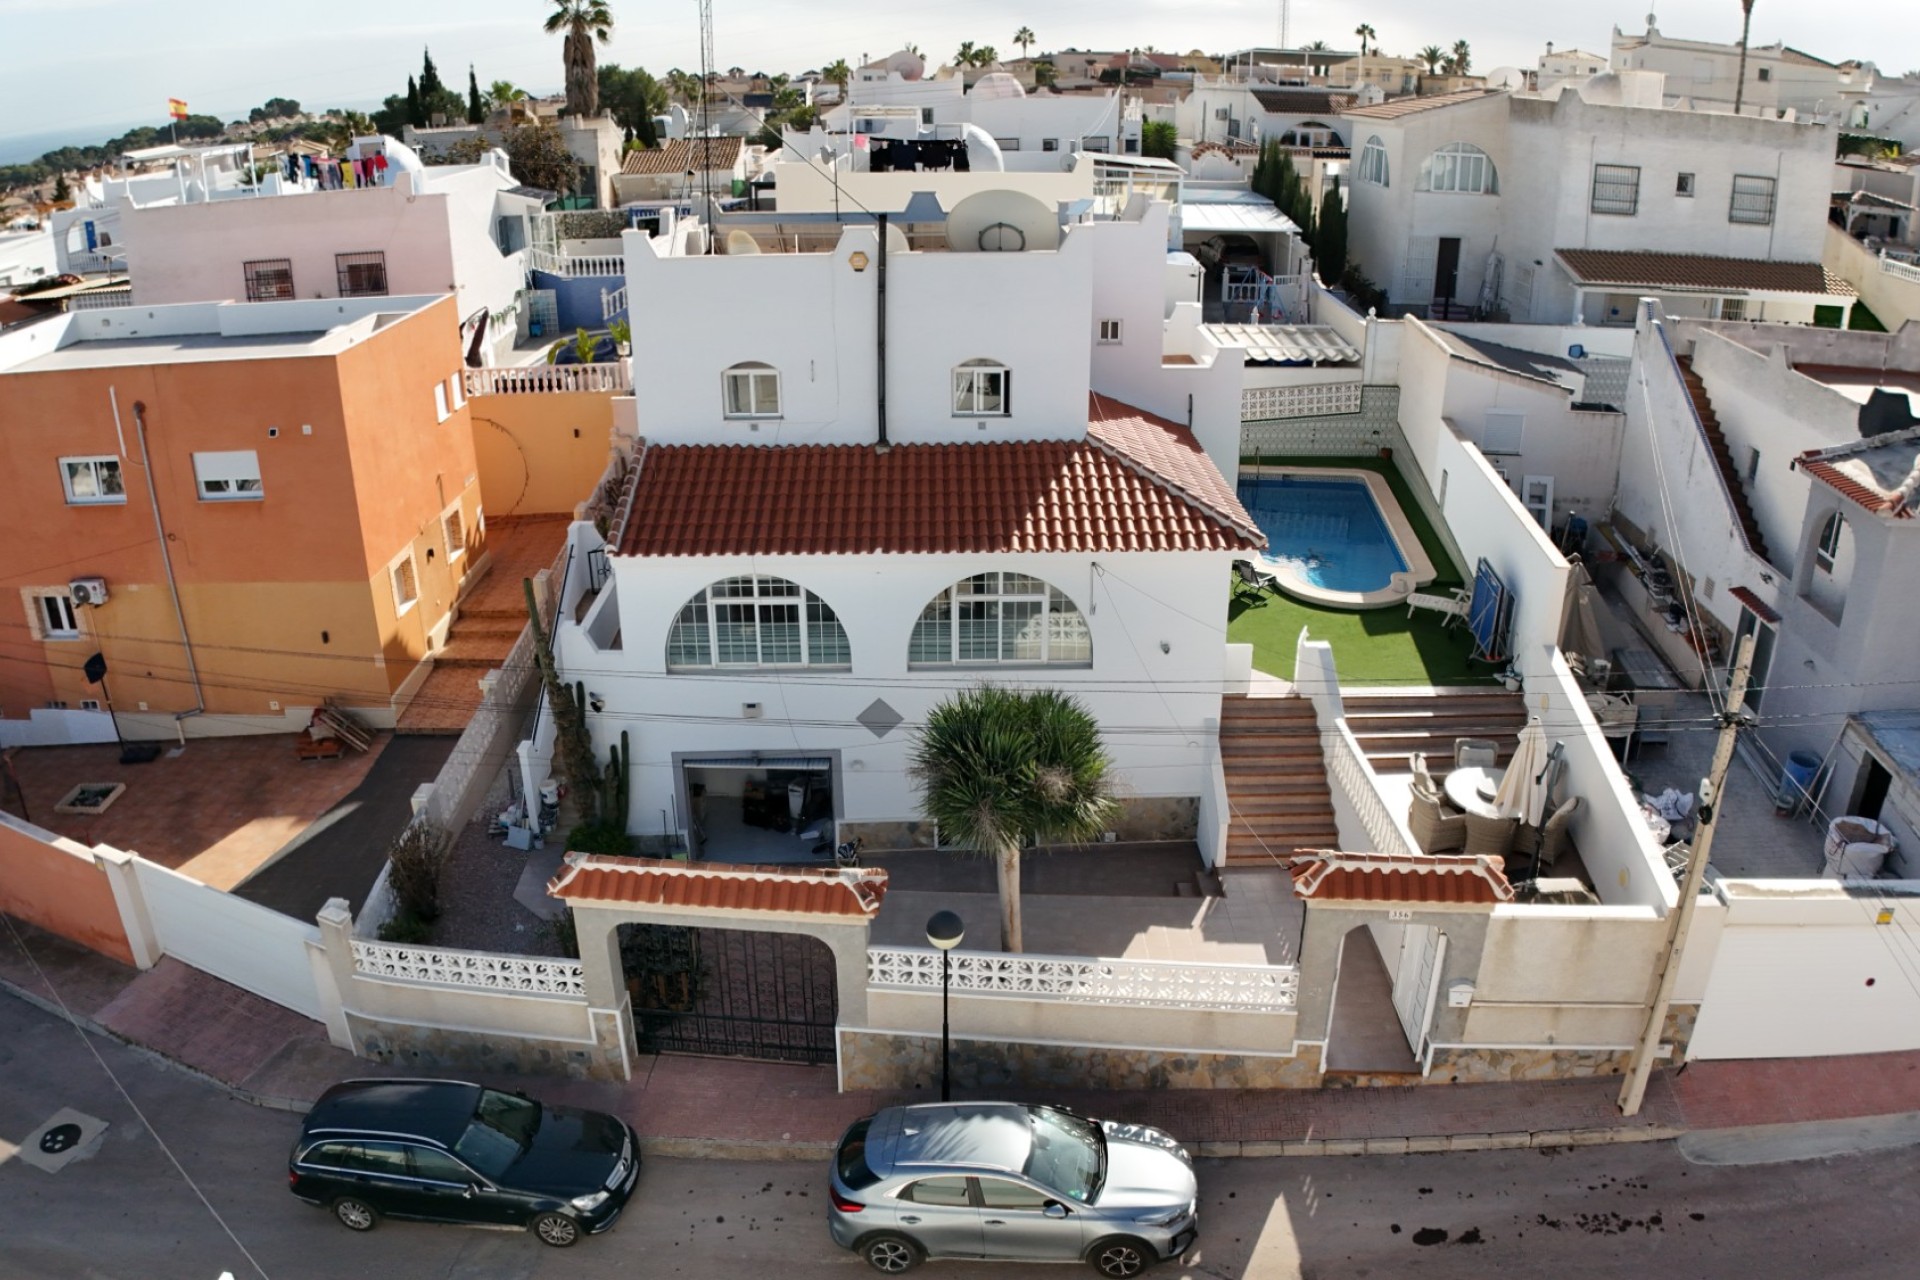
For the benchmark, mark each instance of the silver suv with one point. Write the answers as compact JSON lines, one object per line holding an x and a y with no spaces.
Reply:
{"x":1010,"y":1183}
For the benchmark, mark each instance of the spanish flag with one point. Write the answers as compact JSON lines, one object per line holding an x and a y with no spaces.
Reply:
{"x":177,"y":108}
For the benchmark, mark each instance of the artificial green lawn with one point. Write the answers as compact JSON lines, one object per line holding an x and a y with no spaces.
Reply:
{"x":1372,"y":646}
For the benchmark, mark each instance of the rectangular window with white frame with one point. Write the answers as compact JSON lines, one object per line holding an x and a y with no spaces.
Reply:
{"x":51,"y":615}
{"x":1616,"y":189}
{"x":440,"y":410}
{"x":752,"y":391}
{"x":457,"y":389}
{"x":406,"y":582}
{"x":229,"y":476}
{"x":93,"y":481}
{"x":981,"y":389}
{"x":1109,"y":332}
{"x":1503,"y":431}
{"x":1752,"y":200}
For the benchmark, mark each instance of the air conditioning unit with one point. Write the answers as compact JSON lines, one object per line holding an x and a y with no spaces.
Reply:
{"x":90,"y":592}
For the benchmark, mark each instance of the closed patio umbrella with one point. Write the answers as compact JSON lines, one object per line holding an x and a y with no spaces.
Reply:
{"x":1523,"y":791}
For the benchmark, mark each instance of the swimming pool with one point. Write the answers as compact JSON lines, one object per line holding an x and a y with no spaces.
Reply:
{"x":1335,"y":537}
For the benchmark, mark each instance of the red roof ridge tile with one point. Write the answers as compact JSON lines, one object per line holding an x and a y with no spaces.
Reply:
{"x":1330,"y":875}
{"x":844,"y":891}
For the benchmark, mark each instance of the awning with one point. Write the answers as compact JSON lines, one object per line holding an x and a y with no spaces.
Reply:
{"x":760,"y":762}
{"x":1237,"y":217}
{"x":1285,"y":343}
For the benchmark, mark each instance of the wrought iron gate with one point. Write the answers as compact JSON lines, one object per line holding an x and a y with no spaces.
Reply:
{"x":731,"y":992}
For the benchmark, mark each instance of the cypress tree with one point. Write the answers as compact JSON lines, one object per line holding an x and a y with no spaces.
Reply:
{"x":415,"y":116}
{"x":430,"y":86}
{"x":476,"y":109}
{"x":1331,"y":248}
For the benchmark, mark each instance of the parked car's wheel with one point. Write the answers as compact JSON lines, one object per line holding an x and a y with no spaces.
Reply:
{"x":556,"y":1229}
{"x":355,"y":1215}
{"x":891,"y":1254}
{"x":1121,"y":1257}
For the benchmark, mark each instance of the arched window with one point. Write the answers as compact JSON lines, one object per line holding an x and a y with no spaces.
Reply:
{"x":1000,"y":618}
{"x":982,"y":389}
{"x":1459,"y":168}
{"x":751,"y":390}
{"x":756,"y":622}
{"x":1373,"y":162}
{"x":1827,"y":550}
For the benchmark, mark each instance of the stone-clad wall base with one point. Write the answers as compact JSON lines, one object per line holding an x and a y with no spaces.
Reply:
{"x":1141,"y":819}
{"x":1475,"y":1066}
{"x":441,"y":1048}
{"x":878,"y":1060}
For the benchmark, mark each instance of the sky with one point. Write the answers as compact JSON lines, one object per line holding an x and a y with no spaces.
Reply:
{"x":88,"y":69}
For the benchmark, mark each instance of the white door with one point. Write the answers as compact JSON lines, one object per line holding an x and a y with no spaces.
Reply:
{"x":1416,"y":979}
{"x":1536,"y":494}
{"x":1416,"y":276}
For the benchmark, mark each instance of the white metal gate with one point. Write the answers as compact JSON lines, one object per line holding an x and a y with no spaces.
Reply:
{"x":253,"y":947}
{"x":1416,"y":981}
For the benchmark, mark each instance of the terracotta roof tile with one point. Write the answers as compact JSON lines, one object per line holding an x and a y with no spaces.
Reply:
{"x":592,"y":878}
{"x":679,"y":156}
{"x":1851,"y":488}
{"x":1228,"y":149}
{"x":1381,"y":877}
{"x":1614,"y":267}
{"x":1136,"y":483}
{"x":1394,"y":108}
{"x":1761,"y":609}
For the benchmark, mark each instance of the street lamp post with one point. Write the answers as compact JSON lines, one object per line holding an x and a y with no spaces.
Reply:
{"x":945,"y":931}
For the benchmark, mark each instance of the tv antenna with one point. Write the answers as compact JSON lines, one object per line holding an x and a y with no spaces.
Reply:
{"x":1286,"y":22}
{"x":705,"y":145}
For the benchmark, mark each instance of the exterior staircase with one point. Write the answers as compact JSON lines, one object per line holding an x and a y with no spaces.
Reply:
{"x":1276,"y":780}
{"x":479,"y":640}
{"x":1723,"y":458}
{"x":1391,"y":725}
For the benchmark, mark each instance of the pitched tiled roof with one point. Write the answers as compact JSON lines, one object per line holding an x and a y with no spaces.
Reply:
{"x":1382,"y":877}
{"x":598,"y":878}
{"x":1869,"y":472}
{"x":1301,"y":102}
{"x":681,"y":155}
{"x":1136,"y":483}
{"x":1394,"y":108}
{"x":1229,"y":149}
{"x":1624,"y":267}
{"x":1761,"y":609}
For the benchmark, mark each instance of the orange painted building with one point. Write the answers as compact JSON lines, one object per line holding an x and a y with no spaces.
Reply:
{"x":273,"y":503}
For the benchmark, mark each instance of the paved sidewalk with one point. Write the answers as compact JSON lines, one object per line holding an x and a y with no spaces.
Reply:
{"x":728,"y":1107}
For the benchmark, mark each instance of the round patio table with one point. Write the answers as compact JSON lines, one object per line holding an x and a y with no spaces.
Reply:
{"x":1473,"y":788}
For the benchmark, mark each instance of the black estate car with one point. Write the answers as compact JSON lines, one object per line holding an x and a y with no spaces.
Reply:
{"x":445,"y":1151}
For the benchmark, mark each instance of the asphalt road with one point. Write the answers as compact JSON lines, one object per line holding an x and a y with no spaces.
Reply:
{"x":125,"y":1210}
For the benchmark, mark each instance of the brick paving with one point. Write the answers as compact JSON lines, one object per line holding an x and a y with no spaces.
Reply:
{"x":216,"y":811}
{"x":279,"y":1056}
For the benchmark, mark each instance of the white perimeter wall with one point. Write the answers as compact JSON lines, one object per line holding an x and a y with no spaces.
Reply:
{"x":1804,"y":971}
{"x":253,"y":947}
{"x":1159,"y":711}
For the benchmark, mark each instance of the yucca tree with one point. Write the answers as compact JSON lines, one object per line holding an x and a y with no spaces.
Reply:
{"x":997,"y":766}
{"x":1024,"y":37}
{"x":583,"y":22}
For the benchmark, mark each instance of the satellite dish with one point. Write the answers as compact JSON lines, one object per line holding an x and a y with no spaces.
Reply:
{"x":1506,"y":78}
{"x":896,"y":239}
{"x":739,"y":242}
{"x":1001,"y":222}
{"x":983,"y":153}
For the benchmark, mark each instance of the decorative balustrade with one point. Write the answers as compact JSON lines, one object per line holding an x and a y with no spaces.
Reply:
{"x":1311,"y":400}
{"x":1147,"y":984}
{"x":577,"y":268}
{"x":482,"y":970}
{"x":612,"y":302}
{"x":535,"y":379}
{"x":1899,"y":269}
{"x":1348,"y":770}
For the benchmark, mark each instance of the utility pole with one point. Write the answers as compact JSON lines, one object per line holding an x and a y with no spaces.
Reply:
{"x":1740,"y":76}
{"x":1667,"y":969}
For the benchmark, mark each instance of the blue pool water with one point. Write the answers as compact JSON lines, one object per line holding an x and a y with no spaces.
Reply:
{"x":1327,"y":531}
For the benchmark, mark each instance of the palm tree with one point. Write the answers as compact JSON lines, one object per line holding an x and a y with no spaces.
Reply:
{"x":964,"y":55}
{"x":998,"y":766}
{"x":1433,"y":55}
{"x":1365,"y":32}
{"x":583,"y":21}
{"x":684,"y":85}
{"x":1318,"y":46}
{"x":839,"y":74}
{"x":1462,"y":58}
{"x":1024,"y":37}
{"x":985,"y":56}
{"x":1740,"y":82}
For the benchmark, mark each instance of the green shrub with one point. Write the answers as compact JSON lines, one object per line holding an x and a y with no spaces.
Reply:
{"x":598,"y":837}
{"x":406,"y":928}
